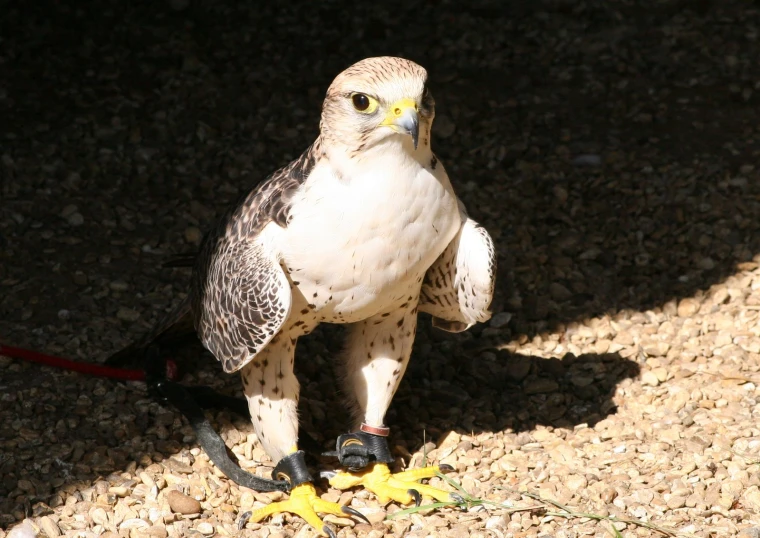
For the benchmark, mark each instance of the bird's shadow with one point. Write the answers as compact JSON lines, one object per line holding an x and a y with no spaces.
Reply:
{"x":463,"y":385}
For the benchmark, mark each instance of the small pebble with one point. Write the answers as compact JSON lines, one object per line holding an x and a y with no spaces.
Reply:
{"x":156,"y":531}
{"x":540,"y":385}
{"x":500,"y":320}
{"x":205,"y":528}
{"x":49,"y":527}
{"x":193,"y":235}
{"x":587,"y":160}
{"x":650,"y":378}
{"x":68,"y":210}
{"x":119,"y":491}
{"x":559,"y":292}
{"x":688,"y":307}
{"x":609,"y":495}
{"x":182,"y":504}
{"x":118,"y":285}
{"x":127,"y":314}
{"x":75,"y":219}
{"x":134,"y":523}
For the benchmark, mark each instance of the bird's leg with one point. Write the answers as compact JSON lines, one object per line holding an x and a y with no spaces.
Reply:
{"x":376,"y":476}
{"x":272,"y":390}
{"x":303,"y":500}
{"x":379,"y":350}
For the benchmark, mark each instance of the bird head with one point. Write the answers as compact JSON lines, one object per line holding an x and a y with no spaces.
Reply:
{"x":379,"y":99}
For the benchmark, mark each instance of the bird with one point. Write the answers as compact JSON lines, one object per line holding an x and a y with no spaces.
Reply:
{"x":364,"y":229}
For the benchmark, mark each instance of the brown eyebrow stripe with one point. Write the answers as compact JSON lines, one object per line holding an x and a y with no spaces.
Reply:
{"x":352,"y":93}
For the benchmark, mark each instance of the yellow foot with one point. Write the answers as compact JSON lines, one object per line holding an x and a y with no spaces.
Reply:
{"x":303,"y":502}
{"x":400,"y":487}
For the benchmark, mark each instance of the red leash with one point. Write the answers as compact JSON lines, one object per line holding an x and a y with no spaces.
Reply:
{"x":82,"y":367}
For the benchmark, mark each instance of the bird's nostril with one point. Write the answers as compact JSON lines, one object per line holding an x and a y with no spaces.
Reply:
{"x":397,"y":111}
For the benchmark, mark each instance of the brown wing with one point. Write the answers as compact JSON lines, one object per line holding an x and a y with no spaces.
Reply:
{"x":240,"y":294}
{"x":245,"y":300}
{"x":231,"y":283}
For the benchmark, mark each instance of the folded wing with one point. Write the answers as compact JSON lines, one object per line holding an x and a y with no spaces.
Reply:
{"x":458,"y":287}
{"x":245,"y":301}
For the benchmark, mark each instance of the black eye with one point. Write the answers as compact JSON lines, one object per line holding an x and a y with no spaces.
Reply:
{"x":361,"y":101}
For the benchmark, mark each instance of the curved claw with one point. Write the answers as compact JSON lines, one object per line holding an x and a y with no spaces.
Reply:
{"x":244,"y":517}
{"x":327,"y":474}
{"x":303,"y":502}
{"x":416,"y":496}
{"x":355,"y":513}
{"x":403,"y":487}
{"x":456,"y":497}
{"x":445,"y":468}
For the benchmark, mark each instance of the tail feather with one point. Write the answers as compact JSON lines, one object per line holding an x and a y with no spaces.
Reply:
{"x":181,"y":260}
{"x":172,"y":331}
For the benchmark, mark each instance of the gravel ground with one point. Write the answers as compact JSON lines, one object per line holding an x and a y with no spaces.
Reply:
{"x":608,"y":146}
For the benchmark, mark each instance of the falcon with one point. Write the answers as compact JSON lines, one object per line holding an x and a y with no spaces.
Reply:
{"x":363,"y":229}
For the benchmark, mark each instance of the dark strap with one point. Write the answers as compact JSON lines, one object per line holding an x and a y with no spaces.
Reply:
{"x":208,"y":398}
{"x":292,"y":469}
{"x":357,"y":450}
{"x":181,"y":398}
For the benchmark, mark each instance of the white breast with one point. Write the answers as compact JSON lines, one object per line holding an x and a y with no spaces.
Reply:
{"x":362,"y":242}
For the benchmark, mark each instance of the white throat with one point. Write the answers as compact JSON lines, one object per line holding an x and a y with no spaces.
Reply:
{"x":393,"y":152}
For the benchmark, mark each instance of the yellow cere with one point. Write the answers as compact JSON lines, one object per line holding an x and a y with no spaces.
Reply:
{"x":397,"y":109}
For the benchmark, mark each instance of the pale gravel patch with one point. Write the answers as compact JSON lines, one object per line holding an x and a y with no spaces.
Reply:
{"x":609,"y":147}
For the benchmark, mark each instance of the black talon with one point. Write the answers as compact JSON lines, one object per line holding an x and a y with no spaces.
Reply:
{"x":416,"y":495}
{"x":244,"y":517}
{"x":353,"y":512}
{"x":456,"y":497}
{"x":329,"y":532}
{"x":327,"y":475}
{"x":445,"y":468}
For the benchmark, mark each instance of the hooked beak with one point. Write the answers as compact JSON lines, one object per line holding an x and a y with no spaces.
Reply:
{"x":403,"y":118}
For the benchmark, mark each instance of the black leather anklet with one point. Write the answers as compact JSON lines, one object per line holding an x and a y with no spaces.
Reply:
{"x":359,"y":449}
{"x":292,"y":469}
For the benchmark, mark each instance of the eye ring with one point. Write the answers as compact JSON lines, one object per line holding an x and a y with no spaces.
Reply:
{"x":360,"y":101}
{"x":364,"y":103}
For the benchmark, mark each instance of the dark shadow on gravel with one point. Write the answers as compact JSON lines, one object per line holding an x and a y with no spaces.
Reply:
{"x":464,"y":391}
{"x":507,"y":393}
{"x":470,"y":391}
